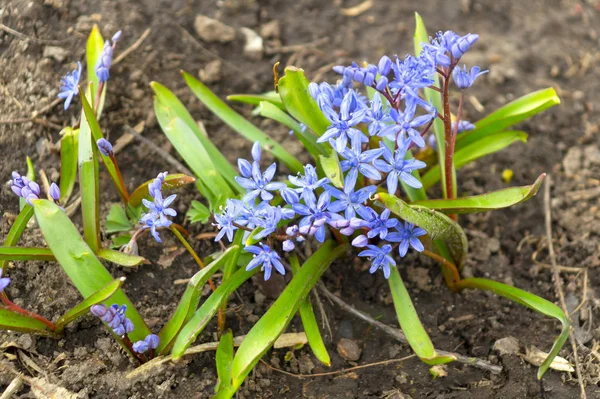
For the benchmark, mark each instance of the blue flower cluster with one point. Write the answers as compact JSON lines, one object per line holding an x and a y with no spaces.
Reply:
{"x":151,"y":342}
{"x":373,"y":139}
{"x":114,"y":317}
{"x":104,"y":62}
{"x":159,"y":210}
{"x":24,"y":188}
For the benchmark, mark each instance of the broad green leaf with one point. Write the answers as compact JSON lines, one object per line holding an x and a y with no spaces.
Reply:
{"x":273,"y":323}
{"x":490,"y":145}
{"x":437,"y":225}
{"x":415,"y":333}
{"x":293,"y":89}
{"x":309,"y":322}
{"x":433,"y":97}
{"x":240,"y":124}
{"x":198,"y":212}
{"x":255,"y":99}
{"x":176,"y":109}
{"x":89,"y":184}
{"x":485,"y":202}
{"x":206,"y":312}
{"x":19,"y":322}
{"x":332,"y":169}
{"x":308,"y":139}
{"x":192,"y":151}
{"x":16,"y":230}
{"x":171,"y":182}
{"x":99,"y":296}
{"x":94,"y":47}
{"x":117,"y":220}
{"x":120,"y":258}
{"x":113,"y":169}
{"x":26,"y":253}
{"x":514,"y":112}
{"x":79,"y":262}
{"x":68,"y":162}
{"x":532,"y":301}
{"x":224,"y":357}
{"x":190,"y":300}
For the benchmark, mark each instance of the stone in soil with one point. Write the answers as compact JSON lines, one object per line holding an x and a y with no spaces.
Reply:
{"x":349,"y":349}
{"x":211,"y":30}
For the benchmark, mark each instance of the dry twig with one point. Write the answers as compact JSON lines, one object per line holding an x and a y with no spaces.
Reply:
{"x":133,"y":47}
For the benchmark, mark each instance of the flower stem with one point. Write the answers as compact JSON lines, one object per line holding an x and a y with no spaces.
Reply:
{"x":123,"y":190}
{"x":445,"y":264}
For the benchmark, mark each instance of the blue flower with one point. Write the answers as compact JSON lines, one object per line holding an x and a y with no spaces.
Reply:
{"x":465,"y":79}
{"x":380,"y":258}
{"x":407,"y":235}
{"x":25,"y":188}
{"x":398,"y":167}
{"x":69,"y":86}
{"x":54,"y":192}
{"x":357,"y":161}
{"x":406,"y":122}
{"x":159,"y":208}
{"x":4,"y":282}
{"x":266,"y":258}
{"x":412,"y":74}
{"x":377,"y":224}
{"x":349,"y":200}
{"x":268,"y":217}
{"x":463,"y":44}
{"x":315,"y":214}
{"x":104,"y":62}
{"x":351,"y":113}
{"x":256,"y":183}
{"x":226,"y":219}
{"x":152,"y":341}
{"x":309,"y":181}
{"x":377,"y":116}
{"x":463,"y":126}
{"x":105,"y":147}
{"x":114,"y":317}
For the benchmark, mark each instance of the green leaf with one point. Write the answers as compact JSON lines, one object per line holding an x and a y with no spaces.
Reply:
{"x":198,"y":212}
{"x":112,"y":168}
{"x":26,"y":253}
{"x":89,"y":184}
{"x":490,"y":145}
{"x":79,"y":262}
{"x":192,"y":151}
{"x":190,"y":300}
{"x":433,"y":97}
{"x":293,"y":89}
{"x":224,"y":357}
{"x":99,"y":296}
{"x":514,"y":112}
{"x":94,"y":47}
{"x":309,"y":322}
{"x":255,"y":99}
{"x":120,"y":258}
{"x":206,"y":312}
{"x":437,"y":225}
{"x":117,"y":220}
{"x":308,"y":139}
{"x":175,"y":109}
{"x":171,"y":182}
{"x":485,"y":202}
{"x":16,"y":230}
{"x":531,"y":301}
{"x":273,"y":323}
{"x":240,"y":124}
{"x":68,"y":162}
{"x":19,"y":322}
{"x":414,"y":331}
{"x":119,"y":240}
{"x":332,"y":169}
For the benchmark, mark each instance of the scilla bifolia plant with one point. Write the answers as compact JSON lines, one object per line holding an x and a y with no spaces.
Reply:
{"x":364,"y":193}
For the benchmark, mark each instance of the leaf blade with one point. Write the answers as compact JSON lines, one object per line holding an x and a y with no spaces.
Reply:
{"x":19,"y":322}
{"x":68,"y":162}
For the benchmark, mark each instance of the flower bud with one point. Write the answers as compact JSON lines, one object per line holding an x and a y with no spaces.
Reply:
{"x":105,"y":147}
{"x":360,"y":241}
{"x":54,"y":192}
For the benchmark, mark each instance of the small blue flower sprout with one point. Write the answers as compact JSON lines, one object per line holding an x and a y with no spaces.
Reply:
{"x":105,"y":60}
{"x":24,"y":187}
{"x":159,"y":208}
{"x":69,"y":86}
{"x":4,"y":281}
{"x":54,"y":192}
{"x":114,"y":317}
{"x":266,"y":258}
{"x":152,"y":341}
{"x":465,"y":79}
{"x":380,"y":258}
{"x":105,"y":147}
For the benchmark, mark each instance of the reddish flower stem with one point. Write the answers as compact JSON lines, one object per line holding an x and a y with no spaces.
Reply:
{"x":10,"y":305}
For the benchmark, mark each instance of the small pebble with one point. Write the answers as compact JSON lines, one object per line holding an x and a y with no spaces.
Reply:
{"x":349,"y":349}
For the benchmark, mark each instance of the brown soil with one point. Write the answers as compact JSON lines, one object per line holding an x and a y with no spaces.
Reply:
{"x":526,"y":45}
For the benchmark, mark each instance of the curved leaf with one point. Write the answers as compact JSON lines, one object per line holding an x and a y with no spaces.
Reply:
{"x":255,"y":99}
{"x":224,"y":357}
{"x":476,"y":150}
{"x":485,"y":202}
{"x":79,"y":262}
{"x":93,"y":51}
{"x":437,"y":225}
{"x":332,"y":169}
{"x":172,"y":181}
{"x":99,"y":296}
{"x":414,"y":331}
{"x":190,"y":300}
{"x":512,"y":113}
{"x":532,"y":301}
{"x":240,"y":124}
{"x":120,"y":258}
{"x":16,"y":230}
{"x":68,"y":162}
{"x":19,"y":322}
{"x":206,"y":312}
{"x":264,"y":333}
